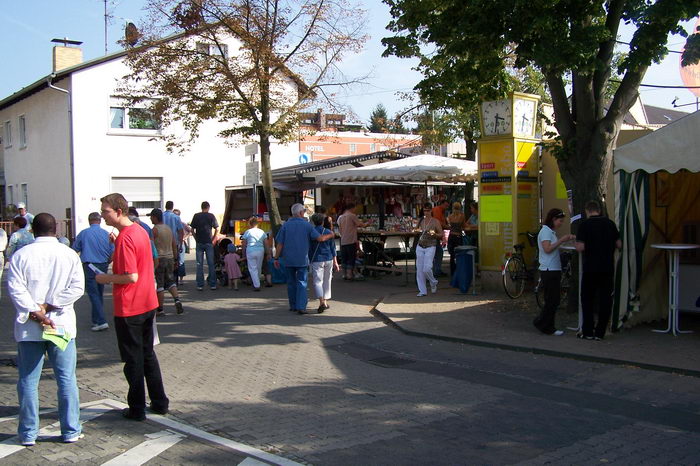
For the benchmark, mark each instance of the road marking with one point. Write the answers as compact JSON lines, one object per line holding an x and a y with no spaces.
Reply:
{"x":94,"y":409}
{"x":252,"y":462}
{"x":143,"y":452}
{"x":11,"y":445}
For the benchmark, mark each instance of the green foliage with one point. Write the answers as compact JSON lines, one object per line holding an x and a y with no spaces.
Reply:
{"x":378,"y":120}
{"x":475,"y":50}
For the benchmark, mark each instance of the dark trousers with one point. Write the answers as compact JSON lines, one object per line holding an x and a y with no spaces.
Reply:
{"x":437,"y":260}
{"x":551,"y":285}
{"x":452,"y":242}
{"x":135,"y":341}
{"x":596,"y":298}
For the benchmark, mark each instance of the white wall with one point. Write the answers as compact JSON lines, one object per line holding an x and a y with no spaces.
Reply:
{"x":44,"y":163}
{"x":101,"y":153}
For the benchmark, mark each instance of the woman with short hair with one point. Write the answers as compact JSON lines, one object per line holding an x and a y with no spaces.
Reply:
{"x":322,"y":257}
{"x":254,"y":250}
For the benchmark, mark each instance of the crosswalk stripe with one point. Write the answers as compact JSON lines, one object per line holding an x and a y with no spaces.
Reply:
{"x":10,"y":445}
{"x":143,"y":452}
{"x":252,"y":462}
{"x":94,"y":409}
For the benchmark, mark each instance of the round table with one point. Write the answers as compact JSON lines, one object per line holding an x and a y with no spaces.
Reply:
{"x":673,"y":280}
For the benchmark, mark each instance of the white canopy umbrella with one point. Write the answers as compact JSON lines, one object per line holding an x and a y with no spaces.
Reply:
{"x":419,"y":168}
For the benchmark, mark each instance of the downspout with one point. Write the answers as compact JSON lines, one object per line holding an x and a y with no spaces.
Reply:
{"x":70,"y":150}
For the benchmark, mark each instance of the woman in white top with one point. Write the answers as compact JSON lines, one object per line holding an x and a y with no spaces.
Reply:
{"x":550,"y":270}
{"x":431,"y":232}
{"x":254,"y":250}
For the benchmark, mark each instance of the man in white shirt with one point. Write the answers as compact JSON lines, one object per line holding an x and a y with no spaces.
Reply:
{"x":22,"y":212}
{"x":45,"y":279}
{"x":3,"y":246}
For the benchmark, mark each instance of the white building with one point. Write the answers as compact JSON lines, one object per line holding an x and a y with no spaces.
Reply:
{"x":67,"y":141}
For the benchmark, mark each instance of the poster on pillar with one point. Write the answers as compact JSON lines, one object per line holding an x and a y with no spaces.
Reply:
{"x":496,"y":170}
{"x":527,"y":204}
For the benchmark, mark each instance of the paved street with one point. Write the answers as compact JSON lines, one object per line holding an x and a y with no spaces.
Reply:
{"x":252,"y":383}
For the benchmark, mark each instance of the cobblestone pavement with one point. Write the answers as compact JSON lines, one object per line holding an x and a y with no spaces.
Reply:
{"x":248,"y":379}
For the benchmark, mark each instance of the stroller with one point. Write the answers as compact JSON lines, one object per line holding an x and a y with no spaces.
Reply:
{"x":219,"y":252}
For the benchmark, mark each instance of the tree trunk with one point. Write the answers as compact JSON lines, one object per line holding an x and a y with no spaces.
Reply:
{"x":269,"y":190}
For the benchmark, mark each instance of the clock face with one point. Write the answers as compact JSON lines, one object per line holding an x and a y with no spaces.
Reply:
{"x":496,"y":116}
{"x":524,"y":117}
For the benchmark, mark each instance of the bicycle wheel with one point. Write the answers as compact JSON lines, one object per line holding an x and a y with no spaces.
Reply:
{"x":539,"y":293}
{"x":514,"y":275}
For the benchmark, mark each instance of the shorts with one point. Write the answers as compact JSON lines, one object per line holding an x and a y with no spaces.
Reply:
{"x":165,"y":276}
{"x":348,"y":254}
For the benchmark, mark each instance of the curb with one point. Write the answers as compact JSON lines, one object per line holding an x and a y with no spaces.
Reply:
{"x":526,"y":349}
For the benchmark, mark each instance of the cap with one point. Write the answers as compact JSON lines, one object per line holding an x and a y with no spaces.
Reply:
{"x":21,"y":205}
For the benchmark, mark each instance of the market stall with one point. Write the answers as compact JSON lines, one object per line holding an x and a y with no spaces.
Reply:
{"x":657,"y":202}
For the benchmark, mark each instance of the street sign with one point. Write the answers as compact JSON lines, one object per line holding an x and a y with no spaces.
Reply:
{"x":251,"y":149}
{"x":303,"y":158}
{"x":252,"y":173}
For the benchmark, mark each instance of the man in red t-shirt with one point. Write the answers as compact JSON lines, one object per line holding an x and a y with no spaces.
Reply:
{"x":135,"y":304}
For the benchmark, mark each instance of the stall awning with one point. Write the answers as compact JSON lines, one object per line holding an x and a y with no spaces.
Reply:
{"x":419,"y":168}
{"x":300,"y":177}
{"x":671,"y":148}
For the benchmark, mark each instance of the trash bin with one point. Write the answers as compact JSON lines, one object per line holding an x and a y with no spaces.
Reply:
{"x":464,"y":273}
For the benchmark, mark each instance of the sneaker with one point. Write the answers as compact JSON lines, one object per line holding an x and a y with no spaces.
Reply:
{"x":200,"y":288}
{"x":28,"y":443}
{"x":160,"y":312}
{"x":598,"y":338}
{"x":99,"y":328}
{"x":433,"y":288}
{"x":212,"y":288}
{"x":129,"y":414}
{"x":420,"y":295}
{"x":256,"y":289}
{"x":558,"y":333}
{"x":581,"y":336}
{"x":178,"y":307}
{"x":73,"y":439}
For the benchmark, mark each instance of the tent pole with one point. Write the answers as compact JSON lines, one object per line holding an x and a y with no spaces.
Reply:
{"x":382,"y":207}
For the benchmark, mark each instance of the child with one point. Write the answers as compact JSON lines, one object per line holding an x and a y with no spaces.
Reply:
{"x":233,"y":271}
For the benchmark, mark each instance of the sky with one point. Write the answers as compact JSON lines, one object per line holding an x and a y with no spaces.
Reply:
{"x":27,"y":27}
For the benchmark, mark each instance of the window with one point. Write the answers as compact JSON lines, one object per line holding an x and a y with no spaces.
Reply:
{"x":353,"y":149}
{"x":24,"y":193}
{"x":7,"y":134}
{"x":143,"y":193}
{"x":22,"y":132}
{"x":116,"y":117}
{"x":132,"y":118}
{"x":373,"y":148}
{"x":213,"y":49}
{"x":10,"y":194}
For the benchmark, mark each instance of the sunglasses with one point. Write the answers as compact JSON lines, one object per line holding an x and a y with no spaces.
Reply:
{"x":560,"y":215}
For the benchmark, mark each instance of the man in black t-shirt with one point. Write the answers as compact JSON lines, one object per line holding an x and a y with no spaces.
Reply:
{"x":203,"y":223}
{"x":597,"y":238}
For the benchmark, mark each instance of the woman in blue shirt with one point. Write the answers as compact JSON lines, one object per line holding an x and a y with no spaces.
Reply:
{"x":323,"y":261}
{"x":550,"y":270}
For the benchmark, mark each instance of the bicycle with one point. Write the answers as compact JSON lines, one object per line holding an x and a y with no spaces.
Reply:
{"x":564,"y":284}
{"x":515,"y":273}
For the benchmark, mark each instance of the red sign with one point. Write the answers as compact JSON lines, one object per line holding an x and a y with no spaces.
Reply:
{"x":487,"y":166}
{"x":521,"y":164}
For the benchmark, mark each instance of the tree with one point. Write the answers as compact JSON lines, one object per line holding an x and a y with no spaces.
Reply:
{"x":284,"y":54}
{"x":379,"y":120}
{"x":465,"y":47}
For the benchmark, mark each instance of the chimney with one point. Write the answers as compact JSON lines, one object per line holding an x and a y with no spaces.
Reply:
{"x":65,"y":56}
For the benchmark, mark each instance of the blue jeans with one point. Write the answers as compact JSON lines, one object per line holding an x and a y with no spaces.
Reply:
{"x":296,"y":287}
{"x":95,"y":292}
{"x":207,"y":248}
{"x":30,"y":361}
{"x":437,"y":260}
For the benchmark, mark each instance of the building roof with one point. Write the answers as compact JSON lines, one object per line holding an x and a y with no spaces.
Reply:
{"x":58,"y":75}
